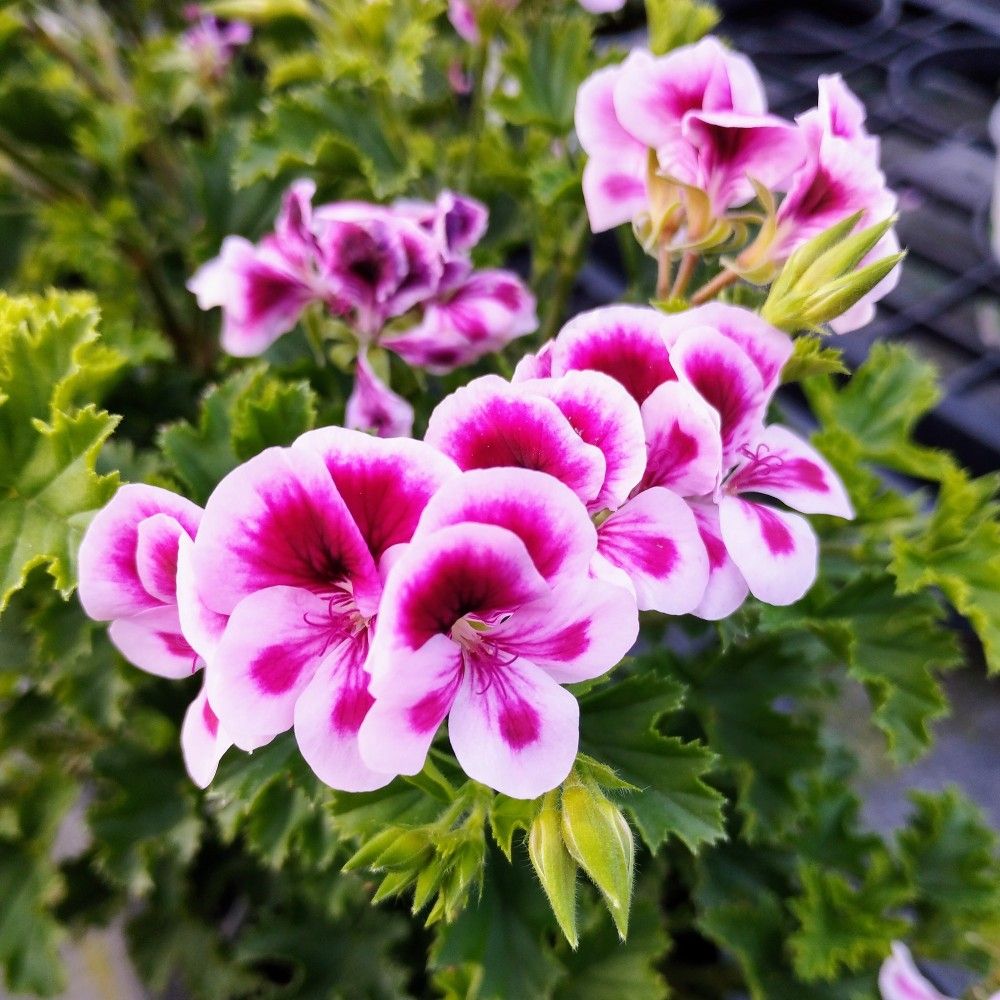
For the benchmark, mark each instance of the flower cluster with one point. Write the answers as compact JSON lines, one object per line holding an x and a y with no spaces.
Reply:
{"x":362,"y":590}
{"x":212,"y":42}
{"x":681,"y":145}
{"x":407,"y":265}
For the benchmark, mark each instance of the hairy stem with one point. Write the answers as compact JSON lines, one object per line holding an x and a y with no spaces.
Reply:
{"x":712,"y":288}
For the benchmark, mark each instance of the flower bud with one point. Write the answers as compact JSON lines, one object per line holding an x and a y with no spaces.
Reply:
{"x":554,"y":866}
{"x":597,"y":835}
{"x":819,"y":282}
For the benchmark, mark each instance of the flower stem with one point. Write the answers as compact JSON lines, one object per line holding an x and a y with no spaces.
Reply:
{"x":664,"y":267}
{"x":689,"y":262}
{"x":712,"y":288}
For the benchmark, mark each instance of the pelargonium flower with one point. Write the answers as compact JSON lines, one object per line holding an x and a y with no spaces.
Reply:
{"x":374,"y":407}
{"x":485,"y":615}
{"x":586,"y":431}
{"x":370,"y":265}
{"x":212,"y":41}
{"x":461,"y":324}
{"x":289,"y":550}
{"x":700,"y":110}
{"x":838,"y":178}
{"x":703,"y":380}
{"x":263,"y":289}
{"x":899,"y":979}
{"x":134,"y":570}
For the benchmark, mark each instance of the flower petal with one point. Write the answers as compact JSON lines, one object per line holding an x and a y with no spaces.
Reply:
{"x":767,"y":347}
{"x":373,"y":406}
{"x":386,"y":484}
{"x":273,"y":643}
{"x":328,"y":715}
{"x":579,"y":631}
{"x":514,"y":729}
{"x":157,"y":539}
{"x":595,"y":119}
{"x":629,"y":343}
{"x":683,"y":441}
{"x":614,"y":189}
{"x":410,"y":706}
{"x":463,"y":569}
{"x":654,"y":538}
{"x":482,"y":314}
{"x":726,"y":589}
{"x":785,"y":467}
{"x":152,"y":641}
{"x":546,"y":515}
{"x":653,"y":95}
{"x":775,"y":551}
{"x":278,"y":520}
{"x":110,"y":585}
{"x":898,"y":979}
{"x":490,"y":424}
{"x":727,"y":380}
{"x":600,"y":410}
{"x":203,"y":740}
{"x":202,"y":627}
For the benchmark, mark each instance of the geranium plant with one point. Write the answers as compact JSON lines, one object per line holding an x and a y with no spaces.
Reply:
{"x":390,"y":625}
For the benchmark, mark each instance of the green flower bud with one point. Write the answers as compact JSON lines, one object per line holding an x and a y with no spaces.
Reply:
{"x":365,"y":856}
{"x":597,"y":835}
{"x":554,"y":866}
{"x":819,"y":282}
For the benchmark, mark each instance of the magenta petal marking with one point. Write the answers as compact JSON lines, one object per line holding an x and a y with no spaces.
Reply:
{"x":626,"y":342}
{"x":727,"y":380}
{"x":386,"y":484}
{"x":490,"y":424}
{"x":604,"y":415}
{"x":546,"y":515}
{"x":110,"y":583}
{"x":157,"y":540}
{"x":278,"y":520}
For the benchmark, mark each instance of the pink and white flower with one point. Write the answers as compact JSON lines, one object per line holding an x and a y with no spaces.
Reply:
{"x":212,"y":41}
{"x":899,"y":979}
{"x":135,"y":571}
{"x":374,"y":407}
{"x":128,"y":572}
{"x":482,"y":314}
{"x":614,"y":178}
{"x":484,"y":616}
{"x":288,"y":551}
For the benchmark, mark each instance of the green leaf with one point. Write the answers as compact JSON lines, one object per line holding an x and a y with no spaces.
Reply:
{"x":951,"y":854}
{"x":199,"y":455}
{"x":879,"y":408}
{"x":500,"y":940}
{"x":891,"y":644}
{"x":50,"y":359}
{"x":763,"y":680}
{"x":548,"y":68}
{"x":810,"y":358}
{"x":842,"y":925}
{"x":603,"y":968}
{"x":30,"y":883}
{"x":271,"y":412}
{"x":673,"y":23}
{"x":619,"y":726}
{"x":313,"y":126}
{"x":958,"y":550}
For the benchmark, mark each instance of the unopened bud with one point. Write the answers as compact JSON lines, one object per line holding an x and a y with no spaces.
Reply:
{"x":597,"y":835}
{"x":554,"y":866}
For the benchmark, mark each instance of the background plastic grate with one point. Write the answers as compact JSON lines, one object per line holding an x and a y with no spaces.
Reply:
{"x":929,"y":73}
